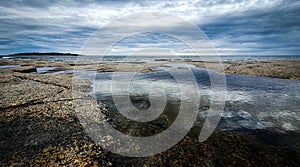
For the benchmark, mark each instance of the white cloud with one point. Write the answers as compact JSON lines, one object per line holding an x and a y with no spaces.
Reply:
{"x":97,"y":14}
{"x":56,"y":26}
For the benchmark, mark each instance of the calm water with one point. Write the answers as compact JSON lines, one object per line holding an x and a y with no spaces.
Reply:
{"x":150,"y":58}
{"x":253,"y":104}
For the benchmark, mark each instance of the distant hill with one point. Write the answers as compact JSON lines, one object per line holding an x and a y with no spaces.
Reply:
{"x":41,"y":54}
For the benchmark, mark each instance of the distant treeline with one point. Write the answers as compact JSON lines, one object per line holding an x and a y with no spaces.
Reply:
{"x":40,"y":54}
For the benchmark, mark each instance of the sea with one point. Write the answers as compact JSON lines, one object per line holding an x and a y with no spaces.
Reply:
{"x":136,"y":58}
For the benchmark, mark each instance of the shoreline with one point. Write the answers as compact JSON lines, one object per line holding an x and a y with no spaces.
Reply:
{"x":39,"y":124}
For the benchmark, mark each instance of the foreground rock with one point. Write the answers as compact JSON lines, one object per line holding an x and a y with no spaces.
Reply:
{"x":289,"y":69}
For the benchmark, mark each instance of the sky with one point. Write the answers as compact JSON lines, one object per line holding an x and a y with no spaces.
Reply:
{"x":233,"y":27}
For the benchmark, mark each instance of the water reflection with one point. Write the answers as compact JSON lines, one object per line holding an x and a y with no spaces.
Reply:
{"x":253,"y":104}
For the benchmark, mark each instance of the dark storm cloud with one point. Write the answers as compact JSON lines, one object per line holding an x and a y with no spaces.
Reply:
{"x":275,"y":30}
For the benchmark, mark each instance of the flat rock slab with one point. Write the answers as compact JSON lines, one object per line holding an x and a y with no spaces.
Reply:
{"x":16,"y":91}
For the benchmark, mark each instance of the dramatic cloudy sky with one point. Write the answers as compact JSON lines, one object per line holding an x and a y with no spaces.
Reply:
{"x":237,"y":27}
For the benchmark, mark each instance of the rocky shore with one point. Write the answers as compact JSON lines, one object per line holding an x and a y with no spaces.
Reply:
{"x":40,"y":128}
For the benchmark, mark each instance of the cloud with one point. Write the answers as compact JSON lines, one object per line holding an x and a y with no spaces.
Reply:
{"x":271,"y":31}
{"x":234,"y":27}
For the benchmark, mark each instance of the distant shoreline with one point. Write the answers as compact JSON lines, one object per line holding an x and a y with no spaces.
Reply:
{"x":56,"y":56}
{"x":41,"y":54}
{"x":74,"y":54}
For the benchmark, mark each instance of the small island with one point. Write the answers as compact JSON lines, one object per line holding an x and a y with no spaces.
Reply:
{"x":41,"y":54}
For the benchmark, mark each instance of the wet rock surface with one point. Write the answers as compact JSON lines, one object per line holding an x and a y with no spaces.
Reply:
{"x":39,"y":127}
